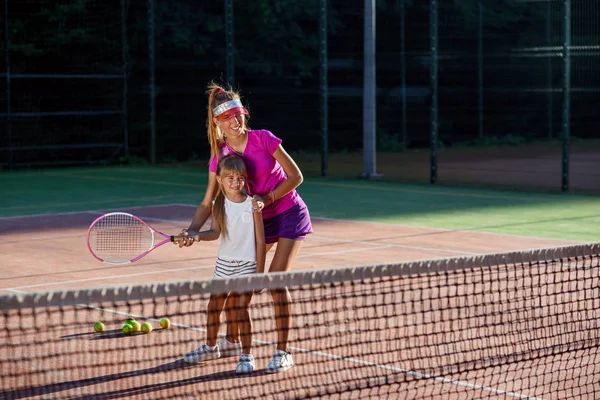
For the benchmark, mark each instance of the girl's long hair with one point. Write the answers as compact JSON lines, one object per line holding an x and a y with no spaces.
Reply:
{"x":216,"y":96}
{"x":231,"y":163}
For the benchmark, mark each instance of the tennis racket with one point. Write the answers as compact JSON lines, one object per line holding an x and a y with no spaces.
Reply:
{"x":122,"y":238}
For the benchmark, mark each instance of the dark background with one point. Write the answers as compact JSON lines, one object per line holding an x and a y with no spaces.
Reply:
{"x":78,"y":47}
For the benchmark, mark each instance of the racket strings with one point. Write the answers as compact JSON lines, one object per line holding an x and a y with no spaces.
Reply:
{"x":120,"y":238}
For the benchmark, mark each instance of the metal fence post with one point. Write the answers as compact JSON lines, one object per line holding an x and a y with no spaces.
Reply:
{"x":403,"y":71}
{"x":151,"y":67}
{"x":324,"y":89}
{"x":369,"y":94}
{"x":480,"y":69}
{"x":433,"y":37}
{"x":124,"y":51}
{"x":8,"y":93}
{"x":229,"y":45}
{"x":566,"y":94}
{"x":549,"y":100}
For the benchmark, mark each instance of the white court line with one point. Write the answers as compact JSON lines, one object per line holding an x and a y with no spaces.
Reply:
{"x":372,"y":247}
{"x":47,"y":215}
{"x":343,"y":251}
{"x":163,"y":271}
{"x":98,"y":211}
{"x":16,"y":288}
{"x":403,"y":246}
{"x":342,"y":358}
{"x":312,"y":217}
{"x":388,"y":224}
{"x":365,"y":242}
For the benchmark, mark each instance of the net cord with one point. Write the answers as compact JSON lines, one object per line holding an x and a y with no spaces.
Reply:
{"x":284,"y":279}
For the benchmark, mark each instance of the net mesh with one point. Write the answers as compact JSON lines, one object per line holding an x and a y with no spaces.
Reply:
{"x":512,"y":325}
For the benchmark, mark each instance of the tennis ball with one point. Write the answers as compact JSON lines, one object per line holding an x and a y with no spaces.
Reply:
{"x":146,"y":327}
{"x":135,"y":326}
{"x":99,"y":327}
{"x":165,"y":323}
{"x":127,"y":329}
{"x":130,"y":319}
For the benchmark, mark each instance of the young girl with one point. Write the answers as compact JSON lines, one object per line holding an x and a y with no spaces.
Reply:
{"x":242,"y":251}
{"x":274,"y":177}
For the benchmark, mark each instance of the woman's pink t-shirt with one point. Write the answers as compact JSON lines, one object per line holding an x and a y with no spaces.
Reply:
{"x":264,"y":172}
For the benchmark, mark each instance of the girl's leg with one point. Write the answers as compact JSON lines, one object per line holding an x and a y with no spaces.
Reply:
{"x":209,"y":351}
{"x":233,"y":329}
{"x":246,"y":364}
{"x":213,"y":319}
{"x":244,"y":321}
{"x":283,"y":260}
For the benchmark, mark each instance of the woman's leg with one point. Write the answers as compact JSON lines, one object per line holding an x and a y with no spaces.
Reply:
{"x":283,"y":260}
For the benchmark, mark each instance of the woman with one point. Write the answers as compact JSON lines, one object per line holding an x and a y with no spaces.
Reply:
{"x":273,"y":177}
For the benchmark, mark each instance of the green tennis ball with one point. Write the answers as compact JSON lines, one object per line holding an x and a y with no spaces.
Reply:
{"x":130,"y":319}
{"x":165,"y":323}
{"x":146,"y":327}
{"x":127,"y":329}
{"x":135,"y":326}
{"x":99,"y":327}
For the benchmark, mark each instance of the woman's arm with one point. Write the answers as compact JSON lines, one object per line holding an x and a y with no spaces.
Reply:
{"x":294,"y":177}
{"x":203,"y":211}
{"x":261,"y":246}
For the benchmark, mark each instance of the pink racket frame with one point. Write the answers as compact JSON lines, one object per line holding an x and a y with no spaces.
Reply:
{"x":155,"y":233}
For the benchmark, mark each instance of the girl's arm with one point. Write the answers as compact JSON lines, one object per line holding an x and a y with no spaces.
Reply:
{"x":212,"y":233}
{"x":261,"y":246}
{"x":294,"y":177}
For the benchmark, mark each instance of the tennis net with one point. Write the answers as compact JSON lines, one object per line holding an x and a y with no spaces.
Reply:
{"x":513,"y":325}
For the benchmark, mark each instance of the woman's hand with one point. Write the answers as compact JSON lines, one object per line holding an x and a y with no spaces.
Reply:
{"x":187,"y":242}
{"x":258,"y":203}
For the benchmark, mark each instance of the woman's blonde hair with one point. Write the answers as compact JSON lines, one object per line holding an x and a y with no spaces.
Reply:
{"x":229,"y":164}
{"x":217,"y":95}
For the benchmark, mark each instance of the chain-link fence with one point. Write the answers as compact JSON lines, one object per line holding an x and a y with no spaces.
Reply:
{"x":63,"y":84}
{"x":476,"y":81}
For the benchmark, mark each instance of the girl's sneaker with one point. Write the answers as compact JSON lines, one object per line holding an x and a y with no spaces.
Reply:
{"x":246,"y":364}
{"x":280,"y":362}
{"x":229,"y":349}
{"x":202,"y":353}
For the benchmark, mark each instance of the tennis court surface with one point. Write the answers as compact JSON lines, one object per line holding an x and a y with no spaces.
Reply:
{"x":515,"y":325}
{"x":380,"y":311}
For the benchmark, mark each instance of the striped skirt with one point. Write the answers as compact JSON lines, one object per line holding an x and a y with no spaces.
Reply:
{"x":230,"y":269}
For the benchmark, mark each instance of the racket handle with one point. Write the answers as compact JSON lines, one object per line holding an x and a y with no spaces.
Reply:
{"x":176,"y":239}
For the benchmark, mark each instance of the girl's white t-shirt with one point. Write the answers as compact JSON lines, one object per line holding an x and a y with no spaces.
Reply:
{"x":240,"y":243}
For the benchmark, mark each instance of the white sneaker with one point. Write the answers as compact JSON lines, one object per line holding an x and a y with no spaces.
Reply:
{"x":246,"y":364}
{"x":280,"y":362}
{"x":229,"y":349}
{"x":202,"y":353}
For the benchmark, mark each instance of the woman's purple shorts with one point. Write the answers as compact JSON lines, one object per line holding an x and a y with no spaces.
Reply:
{"x":291,"y":224}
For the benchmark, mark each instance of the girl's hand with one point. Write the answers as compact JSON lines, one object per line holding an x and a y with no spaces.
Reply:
{"x":258,"y":203}
{"x":187,"y":242}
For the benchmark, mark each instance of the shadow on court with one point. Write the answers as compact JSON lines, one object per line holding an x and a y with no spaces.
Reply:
{"x":132,"y":391}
